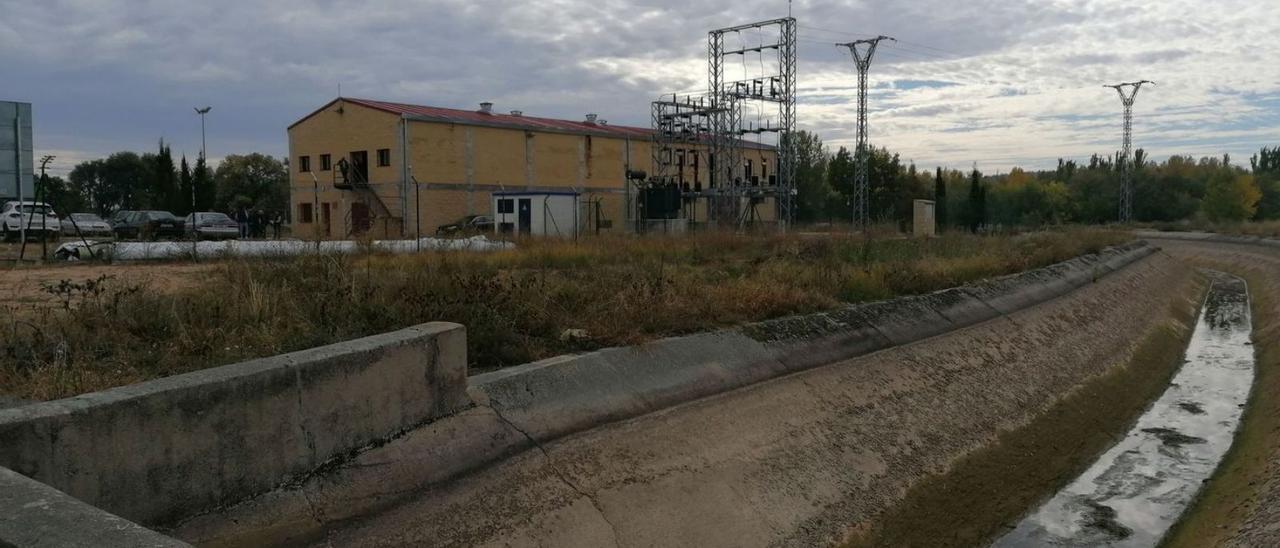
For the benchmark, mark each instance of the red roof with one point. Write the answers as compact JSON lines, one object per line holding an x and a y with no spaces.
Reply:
{"x":475,"y":117}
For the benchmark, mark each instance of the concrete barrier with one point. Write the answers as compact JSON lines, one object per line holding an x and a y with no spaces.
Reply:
{"x":33,"y":514}
{"x":560,"y":396}
{"x":157,"y":451}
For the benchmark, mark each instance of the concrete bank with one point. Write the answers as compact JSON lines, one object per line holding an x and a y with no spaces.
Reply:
{"x":157,"y":451}
{"x":800,"y":460}
{"x":1240,"y":506}
{"x":531,"y":405}
{"x":34,"y":514}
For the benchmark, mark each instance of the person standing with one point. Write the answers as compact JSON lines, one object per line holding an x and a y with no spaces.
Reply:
{"x":277,"y":221}
{"x":242,"y":218}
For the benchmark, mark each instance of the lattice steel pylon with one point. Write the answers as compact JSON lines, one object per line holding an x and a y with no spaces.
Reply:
{"x":862,"y":59}
{"x":1126,"y":148}
{"x":728,"y":98}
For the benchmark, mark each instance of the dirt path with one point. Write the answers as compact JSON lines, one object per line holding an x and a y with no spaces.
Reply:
{"x":22,"y":287}
{"x":803,"y":460}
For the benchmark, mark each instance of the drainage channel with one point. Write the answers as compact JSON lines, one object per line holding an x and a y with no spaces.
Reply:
{"x":1137,"y":490}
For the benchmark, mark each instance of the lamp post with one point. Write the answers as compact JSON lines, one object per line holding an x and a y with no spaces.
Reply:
{"x":203,"y":155}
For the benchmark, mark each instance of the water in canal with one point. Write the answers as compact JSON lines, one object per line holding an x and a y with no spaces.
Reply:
{"x":1137,"y":490}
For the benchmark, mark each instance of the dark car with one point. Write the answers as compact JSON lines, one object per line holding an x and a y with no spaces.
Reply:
{"x":118,"y":217}
{"x":149,"y":225}
{"x":466,"y":225}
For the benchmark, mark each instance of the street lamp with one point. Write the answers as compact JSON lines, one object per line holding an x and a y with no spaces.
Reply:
{"x":203,"y":156}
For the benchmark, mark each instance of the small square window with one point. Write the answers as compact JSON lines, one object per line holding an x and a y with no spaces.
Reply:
{"x":304,"y":213}
{"x":506,"y":205}
{"x":384,"y":157}
{"x":326,"y":162}
{"x":304,"y":164}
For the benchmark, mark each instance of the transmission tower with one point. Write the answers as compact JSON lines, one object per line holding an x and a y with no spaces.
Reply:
{"x":862,"y":51}
{"x":1128,"y":92}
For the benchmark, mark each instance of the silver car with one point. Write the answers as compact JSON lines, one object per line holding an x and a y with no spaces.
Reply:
{"x":88,"y":223}
{"x":35,"y":217}
{"x":211,"y":225}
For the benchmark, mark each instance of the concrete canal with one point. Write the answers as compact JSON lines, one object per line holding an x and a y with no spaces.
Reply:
{"x":1140,"y":487}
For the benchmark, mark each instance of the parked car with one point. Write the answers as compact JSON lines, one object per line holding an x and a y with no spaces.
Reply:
{"x":118,"y":217}
{"x":211,"y":225}
{"x":37,"y":218}
{"x":149,"y":225}
{"x":88,"y":223}
{"x":466,"y":225}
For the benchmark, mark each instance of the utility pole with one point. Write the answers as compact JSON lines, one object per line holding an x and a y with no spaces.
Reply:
{"x":1128,"y":91}
{"x":862,"y":59}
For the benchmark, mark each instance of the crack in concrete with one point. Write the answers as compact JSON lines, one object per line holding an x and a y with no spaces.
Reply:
{"x":595,"y":504}
{"x":316,"y":513}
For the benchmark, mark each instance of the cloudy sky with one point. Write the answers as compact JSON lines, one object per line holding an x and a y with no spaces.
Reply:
{"x":997,"y":82}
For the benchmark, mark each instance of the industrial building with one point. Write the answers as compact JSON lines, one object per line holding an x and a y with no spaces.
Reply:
{"x":389,"y":170}
{"x":17,"y":172}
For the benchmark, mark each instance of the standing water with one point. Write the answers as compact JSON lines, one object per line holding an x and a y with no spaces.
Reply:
{"x":1137,"y":490}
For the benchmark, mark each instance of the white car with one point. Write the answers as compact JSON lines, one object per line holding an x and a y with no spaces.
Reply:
{"x":88,"y":223}
{"x":37,"y":218}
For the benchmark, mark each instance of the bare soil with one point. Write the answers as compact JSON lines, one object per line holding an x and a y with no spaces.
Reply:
{"x":22,"y":287}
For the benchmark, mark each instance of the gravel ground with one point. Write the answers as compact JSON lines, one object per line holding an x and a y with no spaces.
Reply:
{"x":802,"y":460}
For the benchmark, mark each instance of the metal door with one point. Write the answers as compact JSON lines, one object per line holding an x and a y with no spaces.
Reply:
{"x":526,"y":215}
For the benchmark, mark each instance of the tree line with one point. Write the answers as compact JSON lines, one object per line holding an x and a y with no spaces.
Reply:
{"x":150,"y":181}
{"x":1178,"y":189}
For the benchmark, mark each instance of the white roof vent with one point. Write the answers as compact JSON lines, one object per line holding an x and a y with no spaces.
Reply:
{"x":603,"y":122}
{"x":517,"y":113}
{"x":591,"y":118}
{"x":486,"y":108}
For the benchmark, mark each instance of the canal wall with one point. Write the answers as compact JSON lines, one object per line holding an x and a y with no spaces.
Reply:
{"x":160,"y":450}
{"x":807,"y":458}
{"x":537,"y":404}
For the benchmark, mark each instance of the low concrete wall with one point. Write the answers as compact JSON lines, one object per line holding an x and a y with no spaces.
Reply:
{"x":33,"y":514}
{"x":559,"y":396}
{"x":1210,"y":237}
{"x":160,"y":450}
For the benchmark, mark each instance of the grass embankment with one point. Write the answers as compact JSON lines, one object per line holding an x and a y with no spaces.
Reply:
{"x":516,"y":304}
{"x":988,"y":490}
{"x":1232,"y":491}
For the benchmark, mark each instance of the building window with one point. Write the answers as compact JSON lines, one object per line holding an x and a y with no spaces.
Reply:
{"x":506,"y":205}
{"x":304,"y":164}
{"x":305,"y":213}
{"x":751,"y":170}
{"x":384,"y":157}
{"x":326,"y":162}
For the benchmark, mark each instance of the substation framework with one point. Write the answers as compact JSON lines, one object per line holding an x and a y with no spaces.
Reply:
{"x":716,"y":121}
{"x":1128,"y":91}
{"x":773,"y":86}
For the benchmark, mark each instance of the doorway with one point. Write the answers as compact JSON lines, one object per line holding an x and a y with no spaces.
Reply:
{"x":526,"y":216}
{"x":360,"y":166}
{"x":360,"y":218}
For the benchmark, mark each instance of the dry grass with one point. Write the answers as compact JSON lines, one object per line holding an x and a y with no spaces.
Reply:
{"x":516,"y":304}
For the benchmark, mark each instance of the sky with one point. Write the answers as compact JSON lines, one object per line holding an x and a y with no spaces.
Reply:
{"x":991,"y":83}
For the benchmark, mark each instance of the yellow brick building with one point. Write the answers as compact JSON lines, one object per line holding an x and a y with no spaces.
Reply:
{"x":411,"y":168}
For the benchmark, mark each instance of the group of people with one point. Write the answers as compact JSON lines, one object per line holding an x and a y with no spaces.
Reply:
{"x":254,"y":224}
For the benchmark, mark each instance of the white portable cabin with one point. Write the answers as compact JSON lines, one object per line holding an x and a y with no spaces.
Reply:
{"x":537,"y":213}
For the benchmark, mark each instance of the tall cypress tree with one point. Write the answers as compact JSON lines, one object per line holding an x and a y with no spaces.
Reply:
{"x":977,"y":202}
{"x":184,"y":184}
{"x":940,"y":200}
{"x":164,"y":187}
{"x":202,"y":180}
